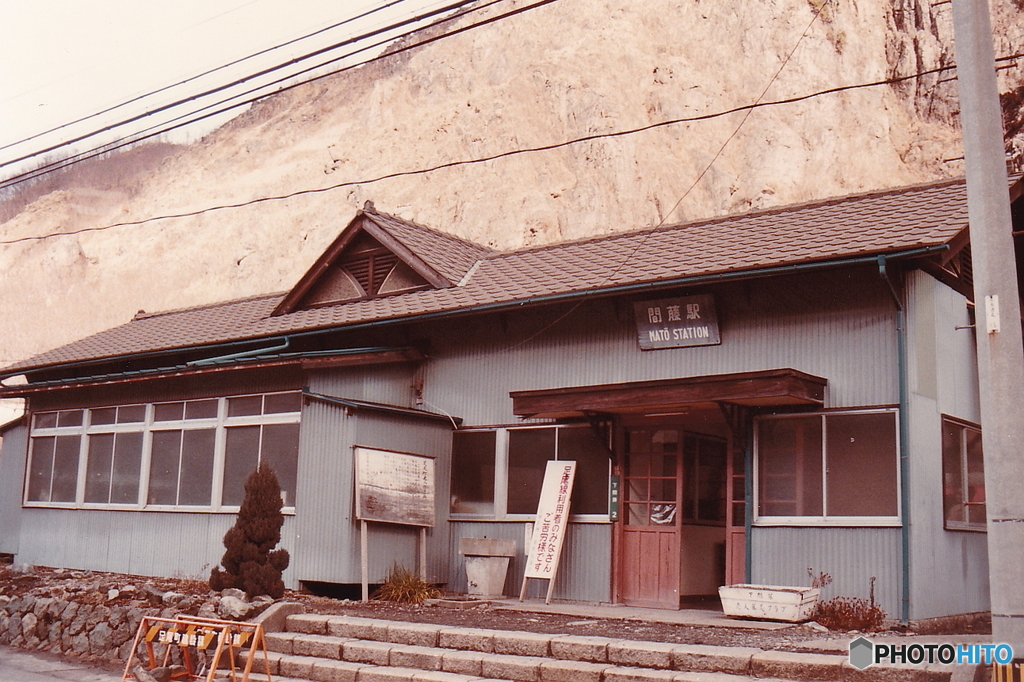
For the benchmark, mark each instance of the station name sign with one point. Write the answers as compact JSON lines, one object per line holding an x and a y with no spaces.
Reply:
{"x":677,"y":322}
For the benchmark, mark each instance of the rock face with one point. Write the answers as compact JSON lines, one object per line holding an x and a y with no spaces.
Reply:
{"x":576,"y":118}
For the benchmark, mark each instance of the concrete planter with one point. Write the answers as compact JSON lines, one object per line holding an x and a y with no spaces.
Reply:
{"x":769,"y":602}
{"x":487,"y":562}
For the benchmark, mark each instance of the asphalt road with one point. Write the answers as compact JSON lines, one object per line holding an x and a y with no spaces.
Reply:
{"x":22,"y":666}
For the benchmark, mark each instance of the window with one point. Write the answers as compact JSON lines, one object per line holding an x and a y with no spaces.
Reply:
{"x":163,"y":454}
{"x":498,"y":473}
{"x":664,"y":465}
{"x":704,"y":468}
{"x":473,"y":472}
{"x":832,"y":467}
{"x":963,"y":476}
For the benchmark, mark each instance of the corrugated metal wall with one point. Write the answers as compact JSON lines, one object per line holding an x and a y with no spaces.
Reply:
{"x":583,"y":574}
{"x":840,"y":327}
{"x":137,"y":543}
{"x":328,"y":533}
{"x":852,"y":556}
{"x":12,"y":472}
{"x":948,"y":568}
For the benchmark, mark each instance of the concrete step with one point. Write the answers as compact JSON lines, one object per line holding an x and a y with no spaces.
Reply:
{"x":411,"y":650}
{"x":291,"y":668}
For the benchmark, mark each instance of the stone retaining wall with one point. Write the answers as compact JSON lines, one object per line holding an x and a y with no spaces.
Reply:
{"x":69,"y":627}
{"x":93,"y":618}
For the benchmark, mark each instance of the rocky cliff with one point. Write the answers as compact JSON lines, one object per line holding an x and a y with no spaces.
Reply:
{"x":574,"y":118}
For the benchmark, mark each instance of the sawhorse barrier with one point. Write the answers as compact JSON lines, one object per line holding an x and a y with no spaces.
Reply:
{"x":208,"y":649}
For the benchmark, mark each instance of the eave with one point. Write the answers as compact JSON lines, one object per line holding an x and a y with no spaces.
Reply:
{"x":299,"y":361}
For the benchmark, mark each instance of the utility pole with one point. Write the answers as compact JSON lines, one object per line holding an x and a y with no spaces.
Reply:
{"x":1000,"y":352}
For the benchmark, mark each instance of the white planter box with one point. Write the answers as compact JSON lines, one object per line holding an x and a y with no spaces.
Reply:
{"x":769,"y":602}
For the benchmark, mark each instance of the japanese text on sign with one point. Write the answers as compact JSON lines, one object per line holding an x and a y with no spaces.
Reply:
{"x":552,"y":517}
{"x":677,"y":322}
{"x":394,"y":487}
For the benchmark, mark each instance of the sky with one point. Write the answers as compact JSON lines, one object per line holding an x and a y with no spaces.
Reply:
{"x":62,"y":60}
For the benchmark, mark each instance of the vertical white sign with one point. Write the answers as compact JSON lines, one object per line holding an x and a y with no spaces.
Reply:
{"x":552,"y":519}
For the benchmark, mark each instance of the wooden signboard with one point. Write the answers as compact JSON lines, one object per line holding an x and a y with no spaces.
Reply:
{"x":394,"y":487}
{"x":545,"y":546}
{"x":677,"y":322}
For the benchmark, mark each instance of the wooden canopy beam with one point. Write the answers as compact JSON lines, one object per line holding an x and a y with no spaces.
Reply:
{"x":767,"y":387}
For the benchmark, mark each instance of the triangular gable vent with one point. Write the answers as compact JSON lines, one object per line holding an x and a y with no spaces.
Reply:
{"x":365,"y":261}
{"x":366,"y":269}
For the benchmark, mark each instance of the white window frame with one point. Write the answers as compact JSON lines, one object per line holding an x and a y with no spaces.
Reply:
{"x":220,"y":423}
{"x":501,"y":462}
{"x":825,"y":519}
{"x":947,"y":524}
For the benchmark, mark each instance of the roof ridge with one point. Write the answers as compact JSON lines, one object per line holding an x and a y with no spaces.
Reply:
{"x":788,"y":208}
{"x":372,"y":211}
{"x":143,"y":315}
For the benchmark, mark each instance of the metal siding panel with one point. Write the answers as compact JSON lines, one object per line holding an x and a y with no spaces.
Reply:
{"x":783,"y":555}
{"x":949,"y":569}
{"x":327,"y":542}
{"x":328,"y":533}
{"x":135,"y":543}
{"x":13,"y":452}
{"x":841,"y":328}
{"x":584,"y":571}
{"x":388,"y":384}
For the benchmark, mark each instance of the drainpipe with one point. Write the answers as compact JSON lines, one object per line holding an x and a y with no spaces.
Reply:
{"x":901,"y":361}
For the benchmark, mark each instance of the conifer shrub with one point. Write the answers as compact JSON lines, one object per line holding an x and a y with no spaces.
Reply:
{"x":250,"y":562}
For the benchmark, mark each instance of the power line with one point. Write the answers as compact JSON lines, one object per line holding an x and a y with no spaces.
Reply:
{"x":646,"y":233}
{"x":159,"y":129}
{"x":502,"y":155}
{"x":185,"y":81}
{"x":236,"y":82}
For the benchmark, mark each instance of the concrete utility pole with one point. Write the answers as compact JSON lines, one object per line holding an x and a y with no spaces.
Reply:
{"x":1000,"y":352}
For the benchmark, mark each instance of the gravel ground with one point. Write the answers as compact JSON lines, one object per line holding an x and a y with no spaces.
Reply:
{"x":93,"y":587}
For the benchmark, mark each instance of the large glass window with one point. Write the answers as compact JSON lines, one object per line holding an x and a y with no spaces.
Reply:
{"x":837,"y":467}
{"x":499,"y":472}
{"x":181,"y":468}
{"x":53,"y":468}
{"x":113,"y":467}
{"x":963,"y":476}
{"x":473,"y":472}
{"x":163,"y":454}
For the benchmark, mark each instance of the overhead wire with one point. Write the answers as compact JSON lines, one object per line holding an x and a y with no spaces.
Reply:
{"x":164,"y":128}
{"x":504,"y":154}
{"x":75,"y":75}
{"x":647,"y":232}
{"x":239,"y":81}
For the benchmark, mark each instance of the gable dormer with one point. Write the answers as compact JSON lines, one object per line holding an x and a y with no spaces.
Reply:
{"x":381,"y":255}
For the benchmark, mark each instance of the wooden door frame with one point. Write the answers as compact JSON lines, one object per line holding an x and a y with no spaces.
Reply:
{"x":620,"y":424}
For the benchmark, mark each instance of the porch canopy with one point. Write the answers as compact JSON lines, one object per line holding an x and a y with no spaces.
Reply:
{"x":752,"y":389}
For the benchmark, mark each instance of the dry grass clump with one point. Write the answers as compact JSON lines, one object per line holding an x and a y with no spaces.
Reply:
{"x":403,"y":587}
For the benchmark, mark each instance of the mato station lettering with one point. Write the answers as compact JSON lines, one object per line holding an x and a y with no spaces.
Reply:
{"x":677,"y":322}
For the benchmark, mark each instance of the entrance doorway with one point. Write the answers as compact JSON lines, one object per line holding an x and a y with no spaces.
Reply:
{"x":660,"y":554}
{"x":673,"y":530}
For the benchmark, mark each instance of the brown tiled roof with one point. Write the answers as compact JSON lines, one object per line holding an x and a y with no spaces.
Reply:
{"x":449,"y":255}
{"x":868,"y":224}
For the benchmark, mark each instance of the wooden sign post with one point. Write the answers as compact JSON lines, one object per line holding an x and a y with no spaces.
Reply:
{"x":549,"y":528}
{"x":393,"y":487}
{"x":218,"y":641}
